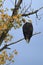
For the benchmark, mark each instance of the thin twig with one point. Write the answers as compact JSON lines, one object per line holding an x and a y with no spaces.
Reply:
{"x":15,"y":3}
{"x":36,"y":33}
{"x":23,"y":8}
{"x":28,"y":7}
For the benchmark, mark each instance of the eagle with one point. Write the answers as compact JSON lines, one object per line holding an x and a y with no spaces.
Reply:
{"x":28,"y":30}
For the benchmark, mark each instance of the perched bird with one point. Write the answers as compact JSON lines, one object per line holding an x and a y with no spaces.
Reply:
{"x":28,"y":30}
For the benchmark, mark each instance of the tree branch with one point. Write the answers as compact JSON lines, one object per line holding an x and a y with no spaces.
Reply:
{"x":2,"y":37}
{"x":6,"y":46}
{"x":17,"y":6}
{"x":33,"y":12}
{"x":15,"y":3}
{"x":28,"y":7}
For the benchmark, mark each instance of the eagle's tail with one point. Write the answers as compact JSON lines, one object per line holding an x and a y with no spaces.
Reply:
{"x":27,"y":40}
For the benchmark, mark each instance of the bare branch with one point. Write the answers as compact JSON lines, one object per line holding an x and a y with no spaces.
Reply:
{"x":6,"y":46}
{"x":22,"y":39}
{"x":18,"y":4}
{"x":33,"y":12}
{"x":15,"y":3}
{"x":17,"y":7}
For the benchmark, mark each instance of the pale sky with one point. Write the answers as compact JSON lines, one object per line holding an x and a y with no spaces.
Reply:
{"x":32,"y":53}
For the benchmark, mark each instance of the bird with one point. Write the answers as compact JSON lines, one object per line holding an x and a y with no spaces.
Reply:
{"x":27,"y":30}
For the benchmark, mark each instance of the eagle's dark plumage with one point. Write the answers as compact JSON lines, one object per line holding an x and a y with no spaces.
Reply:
{"x":28,"y":31}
